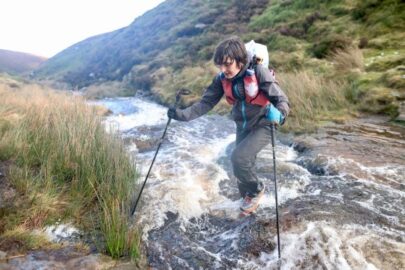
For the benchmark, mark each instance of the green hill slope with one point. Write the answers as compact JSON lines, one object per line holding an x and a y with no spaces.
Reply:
{"x":162,"y":36}
{"x":17,"y":62}
{"x":361,"y":42}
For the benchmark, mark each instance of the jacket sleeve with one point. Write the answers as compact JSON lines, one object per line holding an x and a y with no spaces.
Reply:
{"x":210,"y":98}
{"x":272,"y":90}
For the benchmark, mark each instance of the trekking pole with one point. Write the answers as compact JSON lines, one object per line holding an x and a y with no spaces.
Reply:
{"x":179,"y":93}
{"x":275,"y":189}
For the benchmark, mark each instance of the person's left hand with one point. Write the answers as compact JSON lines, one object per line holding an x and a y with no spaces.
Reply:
{"x":274,"y":115}
{"x":171,"y":113}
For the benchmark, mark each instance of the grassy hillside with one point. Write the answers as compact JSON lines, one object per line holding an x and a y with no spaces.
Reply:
{"x":64,"y":167}
{"x":359,"y":41}
{"x":358,"y":44}
{"x":17,"y":62}
{"x":163,"y":36}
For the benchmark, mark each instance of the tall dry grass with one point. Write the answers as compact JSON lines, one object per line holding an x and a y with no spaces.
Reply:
{"x":66,"y":164}
{"x":313,"y":99}
{"x":347,"y":59}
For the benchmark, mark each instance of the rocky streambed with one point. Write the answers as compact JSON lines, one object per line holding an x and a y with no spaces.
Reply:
{"x":341,"y":195}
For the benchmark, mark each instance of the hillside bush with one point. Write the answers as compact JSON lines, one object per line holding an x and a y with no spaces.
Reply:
{"x":330,"y":45}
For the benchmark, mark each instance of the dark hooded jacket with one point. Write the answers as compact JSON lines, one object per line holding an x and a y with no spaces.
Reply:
{"x":244,"y":114}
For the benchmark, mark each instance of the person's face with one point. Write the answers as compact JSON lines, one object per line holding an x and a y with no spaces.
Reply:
{"x":229,"y":67}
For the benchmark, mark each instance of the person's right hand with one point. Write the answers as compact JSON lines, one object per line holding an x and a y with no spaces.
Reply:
{"x":172,"y":113}
{"x":274,"y":115}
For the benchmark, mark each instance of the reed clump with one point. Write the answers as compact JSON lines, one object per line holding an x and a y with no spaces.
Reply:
{"x":313,"y":100}
{"x":64,"y":165}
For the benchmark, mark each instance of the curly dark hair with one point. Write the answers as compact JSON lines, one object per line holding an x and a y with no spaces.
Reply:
{"x":232,"y":47}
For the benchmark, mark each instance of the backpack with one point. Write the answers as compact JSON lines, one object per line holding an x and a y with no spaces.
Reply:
{"x":258,"y":54}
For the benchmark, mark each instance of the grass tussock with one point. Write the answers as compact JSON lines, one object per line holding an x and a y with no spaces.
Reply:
{"x":65,"y":165}
{"x":313,"y":99}
{"x":350,"y":58}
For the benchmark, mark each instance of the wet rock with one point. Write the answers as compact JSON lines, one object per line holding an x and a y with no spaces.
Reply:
{"x":316,"y":166}
{"x":146,"y":138}
{"x":343,"y":187}
{"x":355,"y":194}
{"x":255,"y":238}
{"x":209,"y":242}
{"x":303,"y":145}
{"x":68,"y":258}
{"x":145,"y":145}
{"x":3,"y":255}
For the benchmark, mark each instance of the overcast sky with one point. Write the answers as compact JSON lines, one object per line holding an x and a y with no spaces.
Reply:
{"x":46,"y":27}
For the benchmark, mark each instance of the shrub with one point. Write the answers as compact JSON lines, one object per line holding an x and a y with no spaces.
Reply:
{"x":329,"y":45}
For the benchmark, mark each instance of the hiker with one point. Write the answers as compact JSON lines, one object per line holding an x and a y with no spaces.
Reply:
{"x":258,"y":102}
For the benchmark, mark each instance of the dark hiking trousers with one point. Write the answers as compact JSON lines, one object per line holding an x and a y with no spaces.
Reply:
{"x":248,"y":145}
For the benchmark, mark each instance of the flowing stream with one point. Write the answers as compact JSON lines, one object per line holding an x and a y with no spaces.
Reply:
{"x":341,"y":194}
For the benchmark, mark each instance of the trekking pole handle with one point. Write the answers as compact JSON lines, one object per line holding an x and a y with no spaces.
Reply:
{"x":181,"y":92}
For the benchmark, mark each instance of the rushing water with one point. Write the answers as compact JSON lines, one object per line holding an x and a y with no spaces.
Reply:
{"x":341,"y":195}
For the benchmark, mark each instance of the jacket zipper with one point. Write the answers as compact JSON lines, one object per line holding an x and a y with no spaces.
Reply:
{"x":243,"y":114}
{"x":243,"y":106}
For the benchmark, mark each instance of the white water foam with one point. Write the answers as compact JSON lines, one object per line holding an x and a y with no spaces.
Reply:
{"x":185,"y":180}
{"x":146,"y":113}
{"x":60,"y":232}
{"x":321,"y":245}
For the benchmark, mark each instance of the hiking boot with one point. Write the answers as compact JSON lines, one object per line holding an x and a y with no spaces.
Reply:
{"x":250,"y":204}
